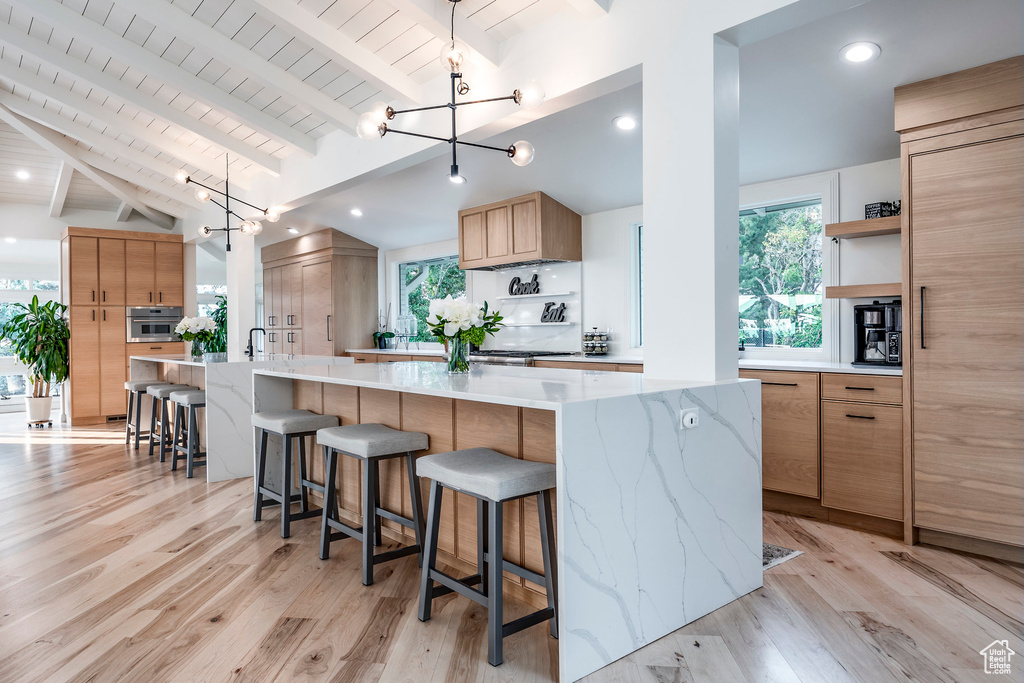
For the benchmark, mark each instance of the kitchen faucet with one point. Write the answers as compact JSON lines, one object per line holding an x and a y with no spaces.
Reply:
{"x":248,"y":349}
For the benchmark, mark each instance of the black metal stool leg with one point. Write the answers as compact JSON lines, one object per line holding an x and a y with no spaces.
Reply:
{"x":128,"y":418}
{"x":138,"y":417}
{"x":415,"y":494}
{"x":370,"y":518}
{"x":547,"y":542}
{"x":330,"y":501}
{"x":481,"y":543}
{"x":303,"y":496}
{"x":286,"y":488}
{"x":494,"y":587}
{"x":430,"y":551}
{"x":152,"y":423}
{"x":377,"y":538}
{"x":193,"y":442}
{"x":175,"y":436}
{"x":261,"y":472}
{"x":165,"y":426}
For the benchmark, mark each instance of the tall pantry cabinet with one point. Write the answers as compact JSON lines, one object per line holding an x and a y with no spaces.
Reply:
{"x":102,"y":272}
{"x":962,"y":139}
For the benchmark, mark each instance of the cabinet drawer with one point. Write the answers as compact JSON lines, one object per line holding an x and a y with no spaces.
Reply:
{"x":364,"y":357}
{"x":155,"y":348}
{"x":574,"y":365}
{"x":863,"y":388}
{"x":630,"y":367}
{"x":789,"y":430}
{"x":862,"y":458}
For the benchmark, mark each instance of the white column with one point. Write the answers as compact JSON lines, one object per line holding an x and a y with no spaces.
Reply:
{"x":191,"y":307}
{"x":241,"y":268}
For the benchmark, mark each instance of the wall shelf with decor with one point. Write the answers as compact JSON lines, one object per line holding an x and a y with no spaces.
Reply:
{"x":890,"y":225}
{"x":864,"y":291}
{"x":535,"y":296}
{"x":565,"y":324}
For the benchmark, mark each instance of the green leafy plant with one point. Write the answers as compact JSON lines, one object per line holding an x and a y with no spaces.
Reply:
{"x":219,"y":315}
{"x":38,"y":335}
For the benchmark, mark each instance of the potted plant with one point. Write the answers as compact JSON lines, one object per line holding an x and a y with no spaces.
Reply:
{"x":201,"y":331}
{"x":39,"y":336}
{"x":219,"y":315}
{"x":457,"y":323}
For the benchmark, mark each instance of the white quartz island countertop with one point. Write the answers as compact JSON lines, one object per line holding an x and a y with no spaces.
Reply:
{"x":657,"y":525}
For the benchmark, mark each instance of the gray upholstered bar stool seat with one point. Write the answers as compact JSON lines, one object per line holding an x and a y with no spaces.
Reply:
{"x":185,"y":444}
{"x":289,"y":425}
{"x":136,"y":388}
{"x":161,"y":393}
{"x":370,"y":443}
{"x":493,"y":479}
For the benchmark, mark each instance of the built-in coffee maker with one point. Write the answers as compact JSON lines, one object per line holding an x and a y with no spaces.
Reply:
{"x":879,"y":330}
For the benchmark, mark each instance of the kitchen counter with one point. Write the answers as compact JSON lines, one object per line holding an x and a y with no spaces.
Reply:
{"x":651,"y":534}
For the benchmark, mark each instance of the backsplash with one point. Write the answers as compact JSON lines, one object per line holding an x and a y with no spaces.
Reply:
{"x":559,"y":283}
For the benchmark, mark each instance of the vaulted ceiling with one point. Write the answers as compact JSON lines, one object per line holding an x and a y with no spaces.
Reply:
{"x":102,"y":102}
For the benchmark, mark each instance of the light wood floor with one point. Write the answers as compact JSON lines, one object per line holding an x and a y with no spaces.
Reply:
{"x":114,"y":569}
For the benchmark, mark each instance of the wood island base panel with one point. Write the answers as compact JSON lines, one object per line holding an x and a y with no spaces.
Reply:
{"x":656,"y":525}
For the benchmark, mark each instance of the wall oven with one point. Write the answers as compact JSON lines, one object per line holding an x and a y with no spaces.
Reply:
{"x":153,"y":323}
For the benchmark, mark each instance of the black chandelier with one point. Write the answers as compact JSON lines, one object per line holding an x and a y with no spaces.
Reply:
{"x":373,"y":124}
{"x":203,"y":194}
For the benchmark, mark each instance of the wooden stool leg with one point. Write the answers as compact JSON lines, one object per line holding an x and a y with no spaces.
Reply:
{"x":176,"y":435}
{"x":430,"y":551}
{"x":152,"y":423}
{"x":494,"y":588}
{"x":370,"y":503}
{"x":193,"y":441}
{"x":286,"y":488}
{"x":416,"y":495}
{"x":261,"y":472}
{"x":330,"y":501}
{"x":547,"y":543}
{"x":128,"y":418}
{"x":481,"y":543}
{"x":303,"y":497}
{"x":138,"y":417}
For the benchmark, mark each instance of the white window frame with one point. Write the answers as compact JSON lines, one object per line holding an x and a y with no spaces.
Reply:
{"x":824,"y":186}
{"x":636,"y":304}
{"x":392,"y":270}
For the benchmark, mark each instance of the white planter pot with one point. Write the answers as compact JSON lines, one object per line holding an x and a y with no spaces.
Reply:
{"x":39,"y":408}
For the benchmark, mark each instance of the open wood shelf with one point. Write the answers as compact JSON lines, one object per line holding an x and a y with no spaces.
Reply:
{"x":864,"y":291}
{"x":889,"y":225}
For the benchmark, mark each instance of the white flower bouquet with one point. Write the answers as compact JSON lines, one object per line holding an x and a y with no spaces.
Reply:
{"x":199,"y":330}
{"x":458,"y":323}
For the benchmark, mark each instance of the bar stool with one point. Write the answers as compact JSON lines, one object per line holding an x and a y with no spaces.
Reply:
{"x":288,"y":424}
{"x":160,"y":394}
{"x":493,"y":479}
{"x":370,"y":443}
{"x":186,"y":444}
{"x":136,"y":388}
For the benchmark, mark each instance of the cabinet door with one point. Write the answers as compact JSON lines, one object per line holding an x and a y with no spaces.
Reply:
{"x":526,"y":229}
{"x":170,"y":274}
{"x":789,"y":431}
{"x":862,"y":458}
{"x":275,"y":341}
{"x":111,"y":272}
{"x":317,"y":314}
{"x":499,"y":235}
{"x":85,"y":361}
{"x":292,"y":294}
{"x":112,"y":360}
{"x":292,"y":342}
{"x":269,"y":311}
{"x":140,"y":262}
{"x":472,"y":239}
{"x":277,"y":285}
{"x":84,"y":271}
{"x":967,"y":342}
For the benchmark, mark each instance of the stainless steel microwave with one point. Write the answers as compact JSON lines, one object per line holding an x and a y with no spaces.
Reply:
{"x":153,"y":323}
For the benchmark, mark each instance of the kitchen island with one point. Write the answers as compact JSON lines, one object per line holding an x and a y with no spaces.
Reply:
{"x":227,"y":383}
{"x":656,"y":525}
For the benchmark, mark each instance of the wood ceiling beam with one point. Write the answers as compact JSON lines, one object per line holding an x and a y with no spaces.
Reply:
{"x":123,"y":212}
{"x":65,"y":150}
{"x":340,"y":48}
{"x":167,"y":206}
{"x":62,"y":16}
{"x":436,"y":16}
{"x":591,"y":9}
{"x":60,"y":189}
{"x":176,"y":192}
{"x":86,"y":73}
{"x":97,"y":112}
{"x":273,"y":77}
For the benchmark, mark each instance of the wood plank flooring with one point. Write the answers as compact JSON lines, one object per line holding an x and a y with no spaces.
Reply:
{"x":113,"y":568}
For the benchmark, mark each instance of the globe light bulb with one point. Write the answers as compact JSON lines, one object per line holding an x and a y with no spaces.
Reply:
{"x":380,"y":111}
{"x":181,"y":176}
{"x":202,"y":195}
{"x":205,"y":231}
{"x":246,"y":228}
{"x":257,"y":227}
{"x":530,"y":95}
{"x":273,"y":215}
{"x":454,"y":54}
{"x":368,"y":127}
{"x":522,"y":153}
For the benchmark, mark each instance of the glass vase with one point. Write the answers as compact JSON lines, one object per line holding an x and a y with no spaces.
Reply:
{"x":198,"y":348}
{"x":458,"y":357}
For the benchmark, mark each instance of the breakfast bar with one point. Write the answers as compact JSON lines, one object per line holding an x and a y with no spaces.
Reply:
{"x":657,"y":523}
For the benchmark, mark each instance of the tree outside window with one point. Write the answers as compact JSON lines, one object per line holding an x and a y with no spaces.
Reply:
{"x":420,"y":282}
{"x":780,"y":274}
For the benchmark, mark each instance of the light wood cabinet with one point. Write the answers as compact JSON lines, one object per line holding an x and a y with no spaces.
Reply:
{"x":140,"y":282}
{"x":112,"y":360}
{"x":84,"y":348}
{"x":317,"y":310}
{"x":169,"y":274}
{"x":111,"y":272}
{"x":532,"y":227}
{"x":862,"y":388}
{"x":84,"y":284}
{"x":789,"y":431}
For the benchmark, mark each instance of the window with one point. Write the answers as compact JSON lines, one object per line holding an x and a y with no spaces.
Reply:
{"x":781,"y":279}
{"x":418,"y":283}
{"x":45,"y":285}
{"x":211,"y":290}
{"x":13,"y":386}
{"x":13,"y":284}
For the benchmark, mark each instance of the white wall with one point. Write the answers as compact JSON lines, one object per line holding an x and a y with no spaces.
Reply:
{"x":608,"y":275}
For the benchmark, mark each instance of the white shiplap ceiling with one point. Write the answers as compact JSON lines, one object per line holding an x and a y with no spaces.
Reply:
{"x":127,"y":92}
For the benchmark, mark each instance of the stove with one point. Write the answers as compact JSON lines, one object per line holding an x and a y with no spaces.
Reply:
{"x":504,"y":357}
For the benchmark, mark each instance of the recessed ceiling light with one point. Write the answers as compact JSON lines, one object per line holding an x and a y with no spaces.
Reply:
{"x":356,"y":212}
{"x":294,"y":231}
{"x":23,"y":175}
{"x":861,"y":52}
{"x":624,"y":122}
{"x":10,"y":240}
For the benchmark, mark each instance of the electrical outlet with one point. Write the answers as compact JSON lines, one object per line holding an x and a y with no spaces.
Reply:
{"x":689,"y":418}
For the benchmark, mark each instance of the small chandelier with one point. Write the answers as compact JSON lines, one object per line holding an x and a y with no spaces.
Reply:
{"x":373,"y":124}
{"x":204,"y":194}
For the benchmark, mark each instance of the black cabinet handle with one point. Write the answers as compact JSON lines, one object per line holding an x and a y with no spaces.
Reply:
{"x":922,"y":318}
{"x":154,"y":348}
{"x":104,"y":314}
{"x":94,"y":315}
{"x":94,"y":295}
{"x":860,"y":417}
{"x":860,"y":388}
{"x":151,"y":297}
{"x":780,"y":384}
{"x":328,"y":328}
{"x":161,"y":297}
{"x":104,"y":296}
